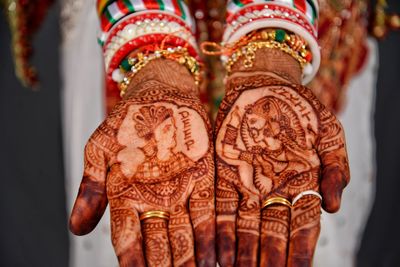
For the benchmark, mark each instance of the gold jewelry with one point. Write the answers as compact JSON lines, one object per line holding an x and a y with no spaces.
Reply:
{"x":249,"y":50}
{"x":154,"y":214}
{"x":276,"y":200}
{"x":179,"y":54}
{"x":246,"y":46}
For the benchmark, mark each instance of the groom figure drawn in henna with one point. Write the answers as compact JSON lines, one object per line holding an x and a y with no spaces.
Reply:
{"x":151,"y":161}
{"x":157,"y":126}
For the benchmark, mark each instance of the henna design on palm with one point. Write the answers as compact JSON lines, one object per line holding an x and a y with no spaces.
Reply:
{"x":274,"y":139}
{"x":153,"y":152}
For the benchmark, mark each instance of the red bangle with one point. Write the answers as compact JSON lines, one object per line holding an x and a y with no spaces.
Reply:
{"x":142,"y":41}
{"x":133,"y":18}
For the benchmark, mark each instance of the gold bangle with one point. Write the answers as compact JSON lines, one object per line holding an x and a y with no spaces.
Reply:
{"x":276,"y":200}
{"x":178,"y":54}
{"x":154,"y":214}
{"x":248,"y":52}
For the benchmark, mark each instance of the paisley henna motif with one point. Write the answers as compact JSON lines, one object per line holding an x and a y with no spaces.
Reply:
{"x":153,"y":153}
{"x":274,"y":139}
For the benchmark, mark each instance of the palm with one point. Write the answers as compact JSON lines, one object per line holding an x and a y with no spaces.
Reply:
{"x":273,"y":139}
{"x":153,"y":153}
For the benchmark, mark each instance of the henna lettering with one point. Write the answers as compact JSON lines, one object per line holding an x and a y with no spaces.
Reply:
{"x":187,"y":130}
{"x":143,"y":158}
{"x":273,"y":139}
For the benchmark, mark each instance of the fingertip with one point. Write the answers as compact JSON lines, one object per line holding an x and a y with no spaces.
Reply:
{"x":74,"y":227}
{"x":226,"y":243}
{"x":332,"y":200}
{"x":79,"y":224}
{"x":332,"y":186}
{"x":331,"y":208}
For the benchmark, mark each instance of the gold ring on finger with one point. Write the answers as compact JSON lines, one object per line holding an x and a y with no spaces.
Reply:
{"x":276,"y":200}
{"x":154,"y":214}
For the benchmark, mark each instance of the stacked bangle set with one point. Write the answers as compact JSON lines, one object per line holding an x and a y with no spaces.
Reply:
{"x":131,"y":25}
{"x":296,"y":17}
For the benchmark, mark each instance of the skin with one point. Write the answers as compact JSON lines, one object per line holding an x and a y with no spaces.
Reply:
{"x":153,"y":152}
{"x":274,"y":139}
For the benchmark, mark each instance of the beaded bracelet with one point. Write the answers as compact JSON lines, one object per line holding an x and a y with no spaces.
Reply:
{"x":132,"y":65}
{"x":249,"y":50}
{"x":289,"y":43}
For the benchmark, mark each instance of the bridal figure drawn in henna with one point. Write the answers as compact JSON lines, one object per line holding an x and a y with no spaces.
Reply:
{"x":152,"y":154}
{"x":274,"y":141}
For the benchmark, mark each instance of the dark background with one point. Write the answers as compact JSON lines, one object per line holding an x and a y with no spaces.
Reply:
{"x":381,"y":242}
{"x":33,"y":230}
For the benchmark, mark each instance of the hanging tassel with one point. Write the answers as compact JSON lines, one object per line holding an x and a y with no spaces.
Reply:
{"x":24,"y":18}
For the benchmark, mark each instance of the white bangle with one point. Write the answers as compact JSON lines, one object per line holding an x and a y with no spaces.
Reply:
{"x":305,"y":193}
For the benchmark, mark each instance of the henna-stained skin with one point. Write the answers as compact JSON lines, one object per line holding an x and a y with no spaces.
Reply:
{"x":274,"y":139}
{"x":153,"y":152}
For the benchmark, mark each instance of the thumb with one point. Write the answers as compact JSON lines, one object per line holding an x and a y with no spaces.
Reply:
{"x":334,"y":180}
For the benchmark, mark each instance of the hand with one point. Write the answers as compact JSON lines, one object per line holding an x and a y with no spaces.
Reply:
{"x":291,"y":148}
{"x":153,"y":153}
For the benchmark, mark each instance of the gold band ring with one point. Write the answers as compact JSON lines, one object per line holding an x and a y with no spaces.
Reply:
{"x":276,"y":200}
{"x":154,"y":214}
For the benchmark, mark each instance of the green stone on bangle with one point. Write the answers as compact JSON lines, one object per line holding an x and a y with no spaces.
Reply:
{"x":125,"y":65}
{"x":280,"y":35}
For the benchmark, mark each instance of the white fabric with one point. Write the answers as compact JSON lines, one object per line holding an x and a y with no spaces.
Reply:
{"x":83,"y":111}
{"x":341,"y":232}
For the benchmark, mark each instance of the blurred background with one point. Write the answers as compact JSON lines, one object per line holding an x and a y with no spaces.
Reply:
{"x":46,"y":120}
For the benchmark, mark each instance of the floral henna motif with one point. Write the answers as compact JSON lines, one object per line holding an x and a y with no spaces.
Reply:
{"x":152,"y":153}
{"x":274,"y":139}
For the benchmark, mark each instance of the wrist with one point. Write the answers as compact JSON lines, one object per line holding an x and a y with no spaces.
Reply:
{"x":271,"y":60}
{"x":165,"y":71}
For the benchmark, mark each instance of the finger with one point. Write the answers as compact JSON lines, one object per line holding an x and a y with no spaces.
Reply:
{"x":181,"y":237}
{"x":248,"y":231}
{"x":156,"y":242}
{"x":91,"y":201}
{"x":304,"y":231}
{"x":227,"y":200}
{"x":202,"y":213}
{"x":335,"y":169}
{"x":274,"y":235}
{"x":334,"y":180}
{"x":126,"y":237}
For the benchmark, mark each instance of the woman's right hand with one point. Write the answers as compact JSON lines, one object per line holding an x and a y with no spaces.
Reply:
{"x":152,"y":161}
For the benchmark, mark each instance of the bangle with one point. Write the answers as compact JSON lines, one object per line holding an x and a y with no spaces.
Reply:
{"x":144,"y":23}
{"x":142,"y":41}
{"x":299,"y":17}
{"x":113,"y":11}
{"x":135,"y":64}
{"x":249,"y":50}
{"x":289,"y":43}
{"x":254,"y":13}
{"x":132,"y":32}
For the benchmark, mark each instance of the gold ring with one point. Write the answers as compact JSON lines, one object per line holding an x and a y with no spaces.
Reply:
{"x":276,"y":200}
{"x":154,"y":214}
